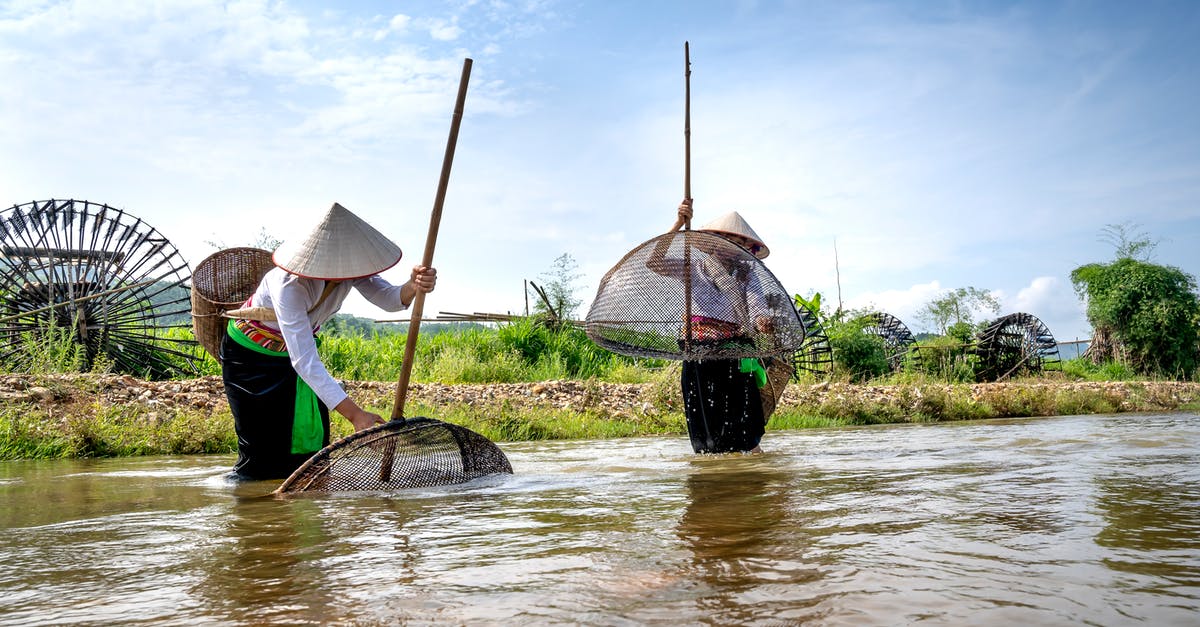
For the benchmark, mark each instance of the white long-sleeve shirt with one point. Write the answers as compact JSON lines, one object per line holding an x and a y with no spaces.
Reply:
{"x":291,"y":297}
{"x":719,"y":293}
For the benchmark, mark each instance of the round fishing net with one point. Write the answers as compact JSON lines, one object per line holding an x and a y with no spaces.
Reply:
{"x":413,"y":453}
{"x":693,"y":295}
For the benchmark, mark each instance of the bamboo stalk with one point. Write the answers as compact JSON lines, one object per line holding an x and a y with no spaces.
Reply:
{"x":418,"y":303}
{"x":687,"y":196}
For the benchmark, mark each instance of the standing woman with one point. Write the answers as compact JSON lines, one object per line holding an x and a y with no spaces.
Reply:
{"x":721,"y":396}
{"x":279,"y":391}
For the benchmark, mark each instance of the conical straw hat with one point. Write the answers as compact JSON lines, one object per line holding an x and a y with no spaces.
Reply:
{"x":732,"y":224}
{"x":342,"y":246}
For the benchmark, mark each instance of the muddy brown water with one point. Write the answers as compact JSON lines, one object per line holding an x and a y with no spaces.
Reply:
{"x":1051,"y":521}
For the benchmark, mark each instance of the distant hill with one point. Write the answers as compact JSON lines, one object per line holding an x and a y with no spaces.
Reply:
{"x":347,"y":324}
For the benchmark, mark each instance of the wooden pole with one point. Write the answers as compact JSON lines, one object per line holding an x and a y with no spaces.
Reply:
{"x":687,"y":195}
{"x":418,"y":304}
{"x":687,"y":126}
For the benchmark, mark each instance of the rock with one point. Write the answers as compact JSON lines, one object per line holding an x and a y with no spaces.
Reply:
{"x":41,"y":393}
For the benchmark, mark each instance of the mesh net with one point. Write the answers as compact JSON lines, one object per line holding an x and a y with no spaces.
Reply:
{"x":737,"y":308}
{"x":223,"y":281}
{"x":414,"y":453}
{"x":779,"y":373}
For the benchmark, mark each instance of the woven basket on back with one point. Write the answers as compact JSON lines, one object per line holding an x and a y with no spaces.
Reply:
{"x":642,"y":306}
{"x":222,"y":282}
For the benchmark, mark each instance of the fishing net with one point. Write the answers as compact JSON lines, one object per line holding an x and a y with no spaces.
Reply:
{"x":780,"y":372}
{"x":413,"y":453}
{"x":693,"y":295}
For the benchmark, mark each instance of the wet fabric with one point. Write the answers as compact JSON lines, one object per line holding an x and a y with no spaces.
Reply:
{"x":723,"y":406}
{"x":264,"y":396}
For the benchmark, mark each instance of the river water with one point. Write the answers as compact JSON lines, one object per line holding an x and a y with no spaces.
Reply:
{"x":1051,"y":521}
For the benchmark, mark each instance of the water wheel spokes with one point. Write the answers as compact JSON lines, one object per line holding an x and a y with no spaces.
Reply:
{"x":1015,"y":344}
{"x":91,"y":285}
{"x":815,"y":355}
{"x":899,"y":342}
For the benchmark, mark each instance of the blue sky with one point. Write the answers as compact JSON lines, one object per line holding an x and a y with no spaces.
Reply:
{"x":936,"y":144}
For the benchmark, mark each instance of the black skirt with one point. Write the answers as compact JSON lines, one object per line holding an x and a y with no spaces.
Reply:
{"x":723,"y":406}
{"x":262,"y":396}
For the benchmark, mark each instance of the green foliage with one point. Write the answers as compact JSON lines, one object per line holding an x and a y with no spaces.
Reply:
{"x":1129,"y":241}
{"x":858,"y":354}
{"x":509,"y":421}
{"x":53,"y":349}
{"x":1086,"y":370}
{"x":26,"y":432}
{"x":559,"y":286}
{"x":812,"y":304}
{"x":956,"y":308}
{"x":945,"y":358}
{"x":1151,"y":311}
{"x":347,"y":324}
{"x":525,"y":349}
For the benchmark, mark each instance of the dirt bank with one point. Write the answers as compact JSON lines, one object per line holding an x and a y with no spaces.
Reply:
{"x":75,"y":392}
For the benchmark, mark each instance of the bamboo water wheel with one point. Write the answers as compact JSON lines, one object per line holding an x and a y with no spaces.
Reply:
{"x":815,"y":356}
{"x":897,"y":339}
{"x":1015,"y":344}
{"x":95,"y":286}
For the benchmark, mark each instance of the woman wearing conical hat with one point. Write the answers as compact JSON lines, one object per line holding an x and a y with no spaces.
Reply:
{"x":279,"y":391}
{"x":722,"y":402}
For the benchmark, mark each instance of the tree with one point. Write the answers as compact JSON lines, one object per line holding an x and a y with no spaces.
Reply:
{"x":954,"y":313}
{"x":558,"y":284}
{"x":263,"y":240}
{"x":860,"y":355}
{"x":1142,"y":314}
{"x":1129,"y":241}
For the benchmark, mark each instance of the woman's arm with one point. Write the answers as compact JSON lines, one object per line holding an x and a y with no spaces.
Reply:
{"x":390,"y":297}
{"x":658,"y":261}
{"x":292,"y":299}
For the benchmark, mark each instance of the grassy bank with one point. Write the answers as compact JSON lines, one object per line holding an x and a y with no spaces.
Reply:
{"x":94,"y":428}
{"x":89,"y":421}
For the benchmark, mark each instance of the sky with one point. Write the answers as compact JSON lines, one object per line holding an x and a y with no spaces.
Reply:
{"x":887,"y":152}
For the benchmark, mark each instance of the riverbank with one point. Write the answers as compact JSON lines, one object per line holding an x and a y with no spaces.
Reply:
{"x":105,"y":415}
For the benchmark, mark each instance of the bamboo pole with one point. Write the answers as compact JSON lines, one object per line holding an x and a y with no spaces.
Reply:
{"x":418,"y":304}
{"x":687,"y":196}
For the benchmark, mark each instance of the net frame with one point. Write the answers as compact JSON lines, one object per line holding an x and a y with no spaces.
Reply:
{"x":640,"y":312}
{"x":400,"y":454}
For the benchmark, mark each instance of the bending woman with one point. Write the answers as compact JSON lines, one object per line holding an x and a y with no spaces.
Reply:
{"x":279,"y":391}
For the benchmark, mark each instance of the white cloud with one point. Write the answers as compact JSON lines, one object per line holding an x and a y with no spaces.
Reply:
{"x":903,"y":304}
{"x":920,"y":145}
{"x":443,"y":30}
{"x":1053,"y":302}
{"x":399,"y":22}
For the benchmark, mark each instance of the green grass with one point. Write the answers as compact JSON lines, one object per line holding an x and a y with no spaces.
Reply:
{"x":32,"y":432}
{"x":29,"y":430}
{"x":522,"y":350}
{"x":525,"y":351}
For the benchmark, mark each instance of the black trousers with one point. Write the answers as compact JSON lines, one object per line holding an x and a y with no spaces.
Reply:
{"x":723,"y":406}
{"x":262,"y":397}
